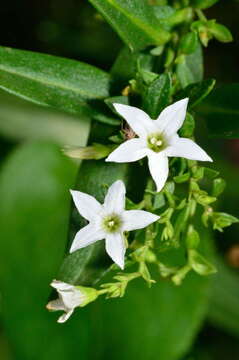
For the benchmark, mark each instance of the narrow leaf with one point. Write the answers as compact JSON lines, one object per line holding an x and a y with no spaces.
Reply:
{"x":191,"y":69}
{"x":135,"y":23}
{"x":157,"y":95}
{"x":47,"y":80}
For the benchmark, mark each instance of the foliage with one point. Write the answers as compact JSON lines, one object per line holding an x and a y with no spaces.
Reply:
{"x":161,"y":62}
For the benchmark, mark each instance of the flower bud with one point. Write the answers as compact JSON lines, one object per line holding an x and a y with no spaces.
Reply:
{"x":96,"y":151}
{"x":192,"y":238}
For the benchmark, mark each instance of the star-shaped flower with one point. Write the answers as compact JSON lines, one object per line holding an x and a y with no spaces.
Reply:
{"x":70,"y":297}
{"x":157,"y":139}
{"x":108,"y":221}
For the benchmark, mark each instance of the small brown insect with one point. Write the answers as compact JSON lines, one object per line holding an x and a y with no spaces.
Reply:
{"x":128,"y":132}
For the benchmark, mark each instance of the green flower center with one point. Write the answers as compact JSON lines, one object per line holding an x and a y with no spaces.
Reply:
{"x":156,"y":142}
{"x":112,"y":223}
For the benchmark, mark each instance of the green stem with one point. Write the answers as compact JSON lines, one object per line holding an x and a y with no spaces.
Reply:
{"x":200,"y":15}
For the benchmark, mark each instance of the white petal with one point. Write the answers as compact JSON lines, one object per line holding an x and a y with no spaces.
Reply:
{"x":158,"y":167}
{"x":86,"y":236}
{"x":138,"y":120}
{"x":56,"y":305}
{"x":86,"y":204}
{"x":115,"y":198}
{"x":65,"y":316}
{"x":72,"y":298}
{"x":172,"y":117}
{"x":131,"y":150}
{"x":59,"y":285}
{"x":137,"y":219}
{"x":188,"y":149}
{"x":115,"y":248}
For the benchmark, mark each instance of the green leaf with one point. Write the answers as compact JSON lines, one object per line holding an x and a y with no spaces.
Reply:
{"x":191,"y":70}
{"x":197,"y":91}
{"x":223,"y":307}
{"x":204,"y":4}
{"x":169,"y":17}
{"x":20,"y":120}
{"x":220,"y":32}
{"x":221,"y":112}
{"x":136,"y":25}
{"x":35,"y":204}
{"x":157,"y":95}
{"x":47,"y":80}
{"x":182,"y":178}
{"x":188,"y":127}
{"x":188,"y":43}
{"x":118,"y":100}
{"x":125,"y":66}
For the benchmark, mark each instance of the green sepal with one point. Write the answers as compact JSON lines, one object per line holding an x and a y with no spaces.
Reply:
{"x":221,"y":220}
{"x":90,"y":294}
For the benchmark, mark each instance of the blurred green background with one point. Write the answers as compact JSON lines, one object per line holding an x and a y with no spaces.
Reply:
{"x":199,"y":321}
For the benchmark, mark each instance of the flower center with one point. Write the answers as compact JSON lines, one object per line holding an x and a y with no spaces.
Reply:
{"x":156,"y":142}
{"x":112,"y":223}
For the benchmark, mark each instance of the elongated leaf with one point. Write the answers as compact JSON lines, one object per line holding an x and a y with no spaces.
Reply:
{"x":221,"y":112}
{"x":197,"y":92}
{"x":191,"y":70}
{"x":47,"y":80}
{"x":35,"y":204}
{"x":20,"y":120}
{"x":134,"y":22}
{"x":157,"y":95}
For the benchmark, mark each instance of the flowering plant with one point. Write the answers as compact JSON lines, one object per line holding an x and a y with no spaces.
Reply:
{"x":131,"y":159}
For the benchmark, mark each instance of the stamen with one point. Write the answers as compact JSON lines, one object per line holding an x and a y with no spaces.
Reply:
{"x":112,"y":223}
{"x":156,"y":142}
{"x":153,"y":140}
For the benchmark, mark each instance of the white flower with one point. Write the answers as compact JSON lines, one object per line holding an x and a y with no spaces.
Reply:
{"x":108,"y":221}
{"x":70,"y":297}
{"x":157,"y":139}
